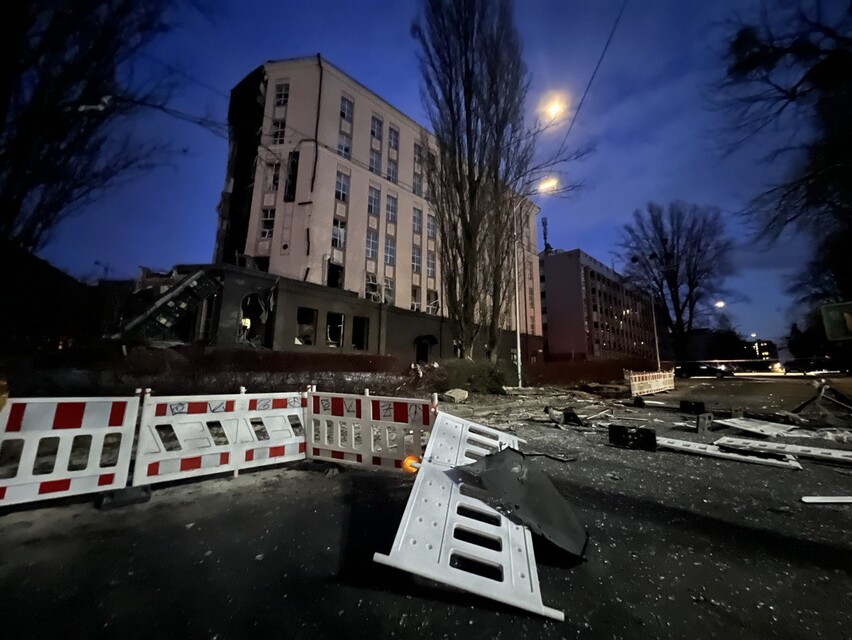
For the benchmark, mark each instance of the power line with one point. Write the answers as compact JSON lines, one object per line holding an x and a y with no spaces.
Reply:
{"x":594,"y":73}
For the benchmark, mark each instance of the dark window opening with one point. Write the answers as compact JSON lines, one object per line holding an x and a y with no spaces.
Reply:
{"x":335,"y":276}
{"x":306,"y":326}
{"x":334,"y":329}
{"x":360,"y":333}
{"x":292,"y":175}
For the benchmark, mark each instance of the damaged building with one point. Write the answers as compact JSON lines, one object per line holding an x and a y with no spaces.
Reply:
{"x":325,"y":238}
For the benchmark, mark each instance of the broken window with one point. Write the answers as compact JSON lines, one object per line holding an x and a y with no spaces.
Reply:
{"x":432,"y":304}
{"x":282,"y":93}
{"x":341,"y":187}
{"x":360,"y":332}
{"x":371,"y":288}
{"x":306,"y":326}
{"x":389,"y":291}
{"x":270,"y":177}
{"x":292,"y":174}
{"x":344,"y":145}
{"x":393,"y":138}
{"x":278,"y":132}
{"x":415,"y":298}
{"x":338,"y":234}
{"x":335,"y":276}
{"x":346,"y":108}
{"x":267,"y":222}
{"x":376,"y":126}
{"x":334,"y":329}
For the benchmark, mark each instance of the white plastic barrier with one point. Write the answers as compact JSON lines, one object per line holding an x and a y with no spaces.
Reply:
{"x":186,"y":436}
{"x":644,"y":383}
{"x":367,"y":430}
{"x":458,"y":540}
{"x":51,"y":447}
{"x":272,"y":429}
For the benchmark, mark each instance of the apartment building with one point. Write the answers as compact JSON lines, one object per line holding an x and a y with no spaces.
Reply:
{"x":325,"y":184}
{"x":588,"y":312}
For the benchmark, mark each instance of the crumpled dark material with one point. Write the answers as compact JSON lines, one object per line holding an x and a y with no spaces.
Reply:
{"x":511,"y":484}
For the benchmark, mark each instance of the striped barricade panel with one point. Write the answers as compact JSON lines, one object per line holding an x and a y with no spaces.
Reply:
{"x":367,"y":430}
{"x":653,"y":382}
{"x":187,"y":436}
{"x":272,"y":430}
{"x":51,"y":448}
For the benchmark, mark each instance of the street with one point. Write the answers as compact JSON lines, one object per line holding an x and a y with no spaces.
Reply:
{"x":680,"y":547}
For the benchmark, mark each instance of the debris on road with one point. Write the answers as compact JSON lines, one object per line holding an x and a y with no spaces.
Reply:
{"x":818,"y":453}
{"x":760,"y":427}
{"x":827,"y":499}
{"x":787,"y":461}
{"x":628,"y":437}
{"x":455,"y":396}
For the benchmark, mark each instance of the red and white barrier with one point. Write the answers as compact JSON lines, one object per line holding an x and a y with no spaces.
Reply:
{"x":367,"y":430}
{"x":644,"y":383}
{"x":185,"y":437}
{"x":51,"y":447}
{"x":272,"y":429}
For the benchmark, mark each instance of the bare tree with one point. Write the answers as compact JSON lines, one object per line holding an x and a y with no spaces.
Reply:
{"x":69,"y":84}
{"x":680,"y":255}
{"x":789,"y":72}
{"x":482,"y":165}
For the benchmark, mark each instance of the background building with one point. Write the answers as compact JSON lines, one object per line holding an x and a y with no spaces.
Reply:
{"x":588,"y":312}
{"x":325,"y":185}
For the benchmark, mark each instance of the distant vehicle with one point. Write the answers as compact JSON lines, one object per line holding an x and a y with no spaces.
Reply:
{"x":696,"y":369}
{"x":813,"y":365}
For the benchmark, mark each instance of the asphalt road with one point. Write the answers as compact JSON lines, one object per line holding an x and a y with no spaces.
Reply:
{"x":680,"y":547}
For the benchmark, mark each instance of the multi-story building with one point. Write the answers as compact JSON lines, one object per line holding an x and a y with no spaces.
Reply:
{"x":326,"y":185}
{"x":588,"y":311}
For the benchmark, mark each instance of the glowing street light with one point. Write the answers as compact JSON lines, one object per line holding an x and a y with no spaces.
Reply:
{"x":719,"y":304}
{"x":552,"y":105}
{"x":754,"y":335}
{"x":547,"y":185}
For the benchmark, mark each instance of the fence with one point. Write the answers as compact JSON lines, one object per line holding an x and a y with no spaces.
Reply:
{"x":644,"y":383}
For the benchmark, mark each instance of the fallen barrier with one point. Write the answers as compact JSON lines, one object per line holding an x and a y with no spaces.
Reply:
{"x":367,"y":430}
{"x":644,"y":383}
{"x":52,"y":448}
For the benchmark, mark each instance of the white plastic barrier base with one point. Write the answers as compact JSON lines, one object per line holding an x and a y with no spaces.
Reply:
{"x":458,"y":540}
{"x":645,"y":383}
{"x":367,"y":430}
{"x":51,"y":448}
{"x":189,"y":436}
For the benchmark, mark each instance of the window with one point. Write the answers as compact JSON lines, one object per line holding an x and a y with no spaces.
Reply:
{"x":389,"y":292}
{"x":393,"y":171}
{"x":430,"y":264}
{"x":417,"y":185}
{"x":390,"y":207}
{"x":306,"y":326}
{"x":270,"y":176}
{"x":393,"y":138}
{"x":338,"y":234}
{"x":415,"y":298}
{"x":416,"y":259}
{"x":334,"y":277}
{"x":417,"y":220}
{"x":341,"y":187}
{"x":292,"y":175}
{"x":372,"y":244}
{"x":278,"y":132}
{"x":376,"y":162}
{"x":267,"y":222}
{"x":390,"y":251}
{"x":376,"y":125}
{"x":430,"y":226}
{"x":360,"y":333}
{"x":282,"y":93}
{"x":432,"y":305}
{"x":334,"y":329}
{"x":346,"y":109}
{"x":371,"y":288}
{"x":344,"y":145}
{"x":418,"y":153}
{"x":374,"y":201}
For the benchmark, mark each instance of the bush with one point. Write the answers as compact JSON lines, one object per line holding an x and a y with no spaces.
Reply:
{"x":475,"y":377}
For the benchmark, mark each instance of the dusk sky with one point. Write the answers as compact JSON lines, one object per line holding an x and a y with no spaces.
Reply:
{"x":648,"y":115}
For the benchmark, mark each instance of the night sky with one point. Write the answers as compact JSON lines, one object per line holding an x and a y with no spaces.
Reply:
{"x":648,"y":115}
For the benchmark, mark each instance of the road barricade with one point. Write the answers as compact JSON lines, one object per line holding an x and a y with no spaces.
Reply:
{"x":643,"y":383}
{"x":368,"y":430}
{"x":272,"y":429}
{"x":57,"y":447}
{"x":185,"y":437}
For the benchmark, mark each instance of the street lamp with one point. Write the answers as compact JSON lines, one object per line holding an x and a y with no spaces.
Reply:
{"x":552,"y":105}
{"x":719,"y":304}
{"x":545,"y":186}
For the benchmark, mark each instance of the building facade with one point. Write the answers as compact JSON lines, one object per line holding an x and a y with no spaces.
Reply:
{"x":325,"y":185}
{"x":588,"y":312}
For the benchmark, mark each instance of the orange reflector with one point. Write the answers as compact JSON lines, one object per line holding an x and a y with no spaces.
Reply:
{"x":410,"y":464}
